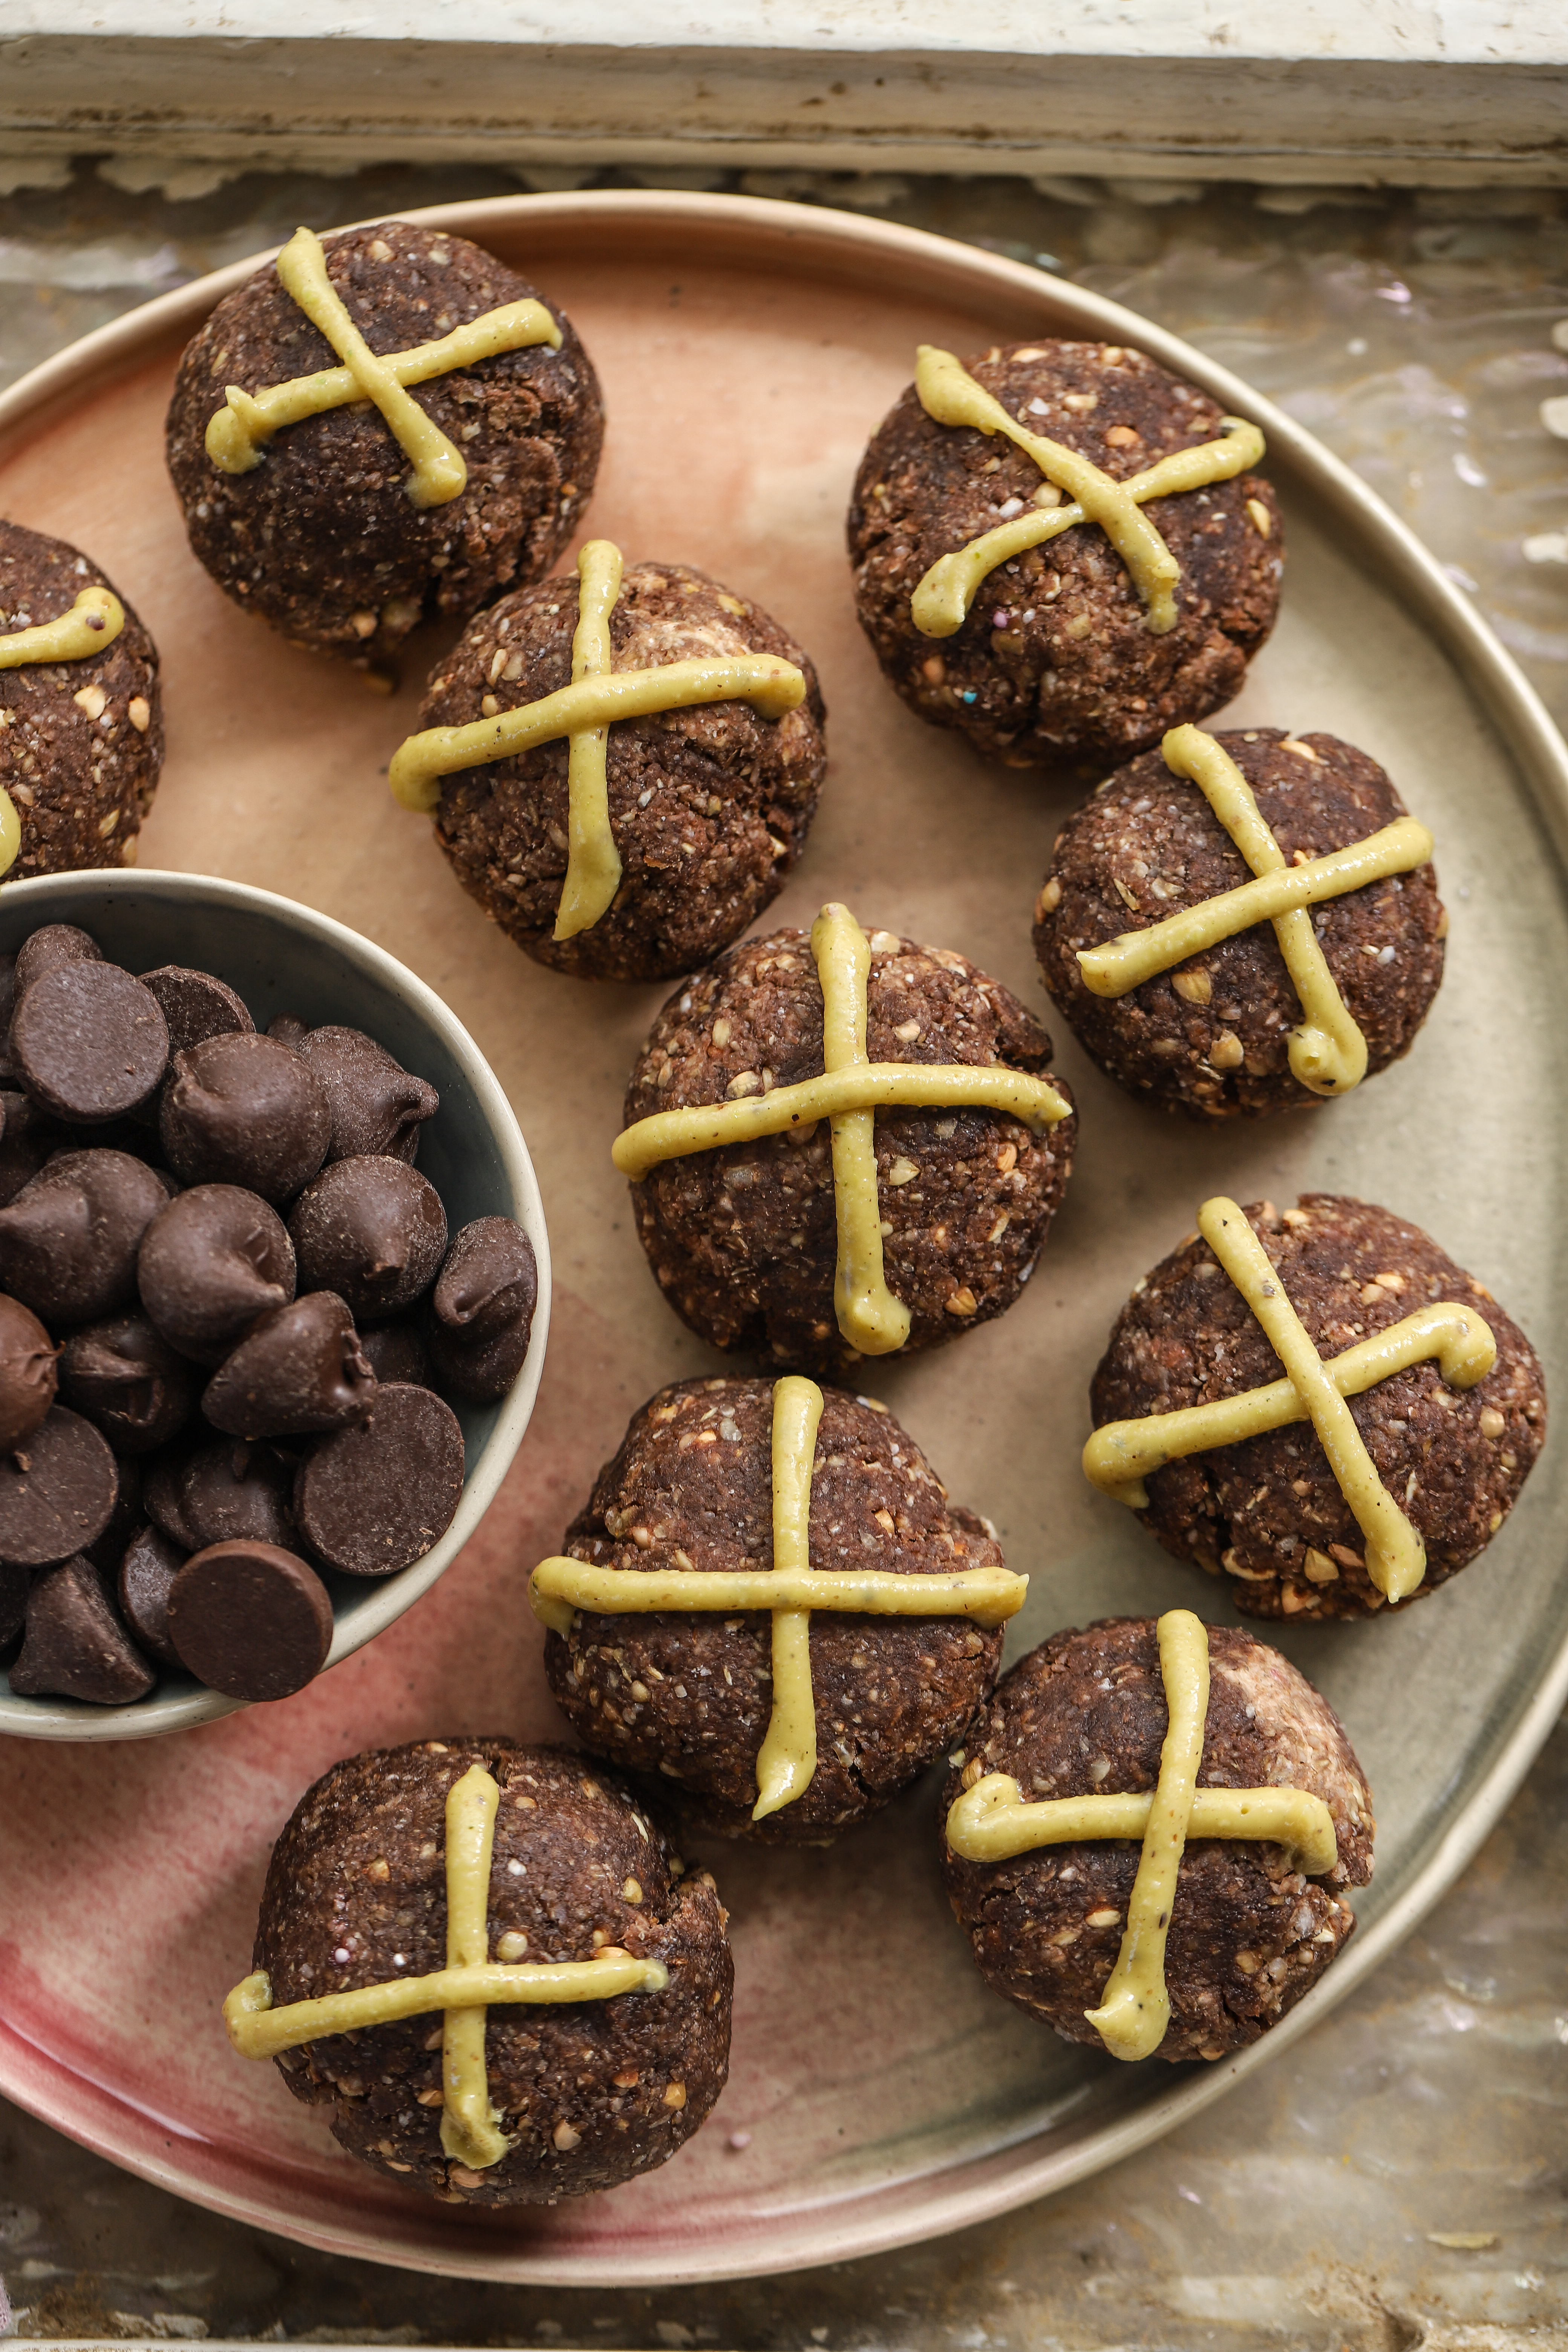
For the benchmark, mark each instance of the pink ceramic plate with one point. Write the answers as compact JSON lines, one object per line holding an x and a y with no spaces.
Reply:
{"x":878,"y":2092}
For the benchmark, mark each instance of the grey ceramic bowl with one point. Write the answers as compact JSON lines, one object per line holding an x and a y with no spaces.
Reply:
{"x":281,"y":957}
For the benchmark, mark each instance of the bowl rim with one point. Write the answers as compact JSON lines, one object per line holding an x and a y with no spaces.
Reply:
{"x":150,"y":1719}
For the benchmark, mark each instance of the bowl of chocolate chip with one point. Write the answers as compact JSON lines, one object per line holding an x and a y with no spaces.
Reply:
{"x":274,"y":1297}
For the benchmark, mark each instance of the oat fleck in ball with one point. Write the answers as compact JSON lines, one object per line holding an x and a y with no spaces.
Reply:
{"x":1211,"y":1036}
{"x":688,"y":1698}
{"x":81,"y":740}
{"x":1268,"y":1513}
{"x":710,"y":805}
{"x":1054,"y":665}
{"x":589,"y":2093}
{"x":321,"y":538}
{"x":744,"y":1240}
{"x":1086,"y":1714}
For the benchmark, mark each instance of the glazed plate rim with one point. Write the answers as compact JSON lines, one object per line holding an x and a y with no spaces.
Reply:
{"x":759,"y":232}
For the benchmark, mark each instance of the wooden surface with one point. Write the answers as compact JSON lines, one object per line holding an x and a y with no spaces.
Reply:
{"x":1472,"y":32}
{"x":1328,"y":91}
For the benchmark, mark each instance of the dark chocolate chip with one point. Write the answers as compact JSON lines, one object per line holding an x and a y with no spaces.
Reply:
{"x":68,"y":1240}
{"x":57,"y":1493}
{"x":105,"y":1551}
{"x":372,"y":1229}
{"x":128,"y":1381}
{"x":89,"y":1041}
{"x":481,"y":1310}
{"x":195,"y":1004}
{"x":374,"y":1498}
{"x":287,"y":1028}
{"x":396,"y":1351}
{"x":45,"y":950}
{"x":8,"y":1006}
{"x":14,"y":1585}
{"x":211,"y":1262}
{"x":222,"y":1493}
{"x":26,"y":1373}
{"x":378,"y":1107}
{"x":244,"y":1109}
{"x":150,"y":1566}
{"x":30,"y":1135}
{"x":161,"y":1497}
{"x":76,"y":1646}
{"x":299,"y":1372}
{"x":250,"y":1620}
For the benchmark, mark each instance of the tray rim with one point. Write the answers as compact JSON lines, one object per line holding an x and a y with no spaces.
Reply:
{"x":851,"y":248}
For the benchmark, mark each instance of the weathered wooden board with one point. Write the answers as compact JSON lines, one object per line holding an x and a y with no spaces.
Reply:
{"x":1398,"y":90}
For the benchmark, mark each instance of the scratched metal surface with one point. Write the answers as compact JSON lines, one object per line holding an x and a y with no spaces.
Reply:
{"x":1397,"y":2181}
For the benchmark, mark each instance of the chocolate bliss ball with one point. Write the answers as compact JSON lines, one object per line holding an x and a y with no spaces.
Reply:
{"x":710,"y":806}
{"x":689,"y":1696}
{"x":321,"y":538}
{"x":1086,"y":1714}
{"x":1211,"y":1036}
{"x":82,"y":742}
{"x":1268,"y":1513}
{"x":744,"y":1240}
{"x":1054,"y":665}
{"x":589,"y":2093}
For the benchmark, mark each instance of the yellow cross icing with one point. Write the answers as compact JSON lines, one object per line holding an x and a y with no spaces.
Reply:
{"x":948,"y":394}
{"x":849,"y":1095}
{"x":991,"y":1822}
{"x":469,"y":1984}
{"x":93,"y":622}
{"x":237,"y":433}
{"x":584,"y":712}
{"x":789,"y":1591}
{"x":1120,"y":1455}
{"x":786,"y":1762}
{"x":592,"y":861}
{"x":1327,"y":1050}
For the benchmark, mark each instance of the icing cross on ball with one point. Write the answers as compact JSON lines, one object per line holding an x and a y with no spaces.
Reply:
{"x":849,"y":1095}
{"x":237,"y":433}
{"x":991,"y":1822}
{"x":949,"y":394}
{"x":1120,"y":1455}
{"x":92,"y":625}
{"x":584,"y":713}
{"x":470,"y":1983}
{"x":1328,"y":1050}
{"x":93,"y":622}
{"x":789,"y":1591}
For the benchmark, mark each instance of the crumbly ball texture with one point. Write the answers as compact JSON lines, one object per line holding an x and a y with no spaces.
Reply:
{"x":743,"y":1241}
{"x":690,"y":1697}
{"x":1268,"y":1513}
{"x":591,"y":2093}
{"x":321,"y":538}
{"x":1211,"y":1037}
{"x":1086,"y":1714}
{"x":709,"y":807}
{"x":82,"y":742}
{"x":1054,"y":665}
